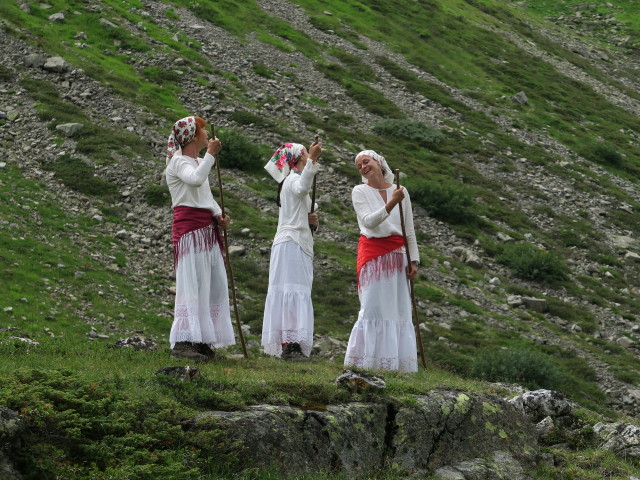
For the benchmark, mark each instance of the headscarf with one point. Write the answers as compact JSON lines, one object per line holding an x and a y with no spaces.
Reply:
{"x":283,"y":160}
{"x":183,"y":131}
{"x":388,"y":173}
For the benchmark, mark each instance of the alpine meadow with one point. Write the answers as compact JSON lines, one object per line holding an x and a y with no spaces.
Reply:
{"x":516,"y":129}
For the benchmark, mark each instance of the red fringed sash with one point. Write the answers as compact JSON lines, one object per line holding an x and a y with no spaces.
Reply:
{"x":199,"y":224}
{"x":376,"y":249}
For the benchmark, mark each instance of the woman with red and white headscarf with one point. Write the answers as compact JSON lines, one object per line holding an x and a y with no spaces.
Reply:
{"x":383,"y":337}
{"x":287,"y":328}
{"x":202,"y":320}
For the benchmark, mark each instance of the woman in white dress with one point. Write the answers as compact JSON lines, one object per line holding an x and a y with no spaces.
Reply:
{"x":202,"y":320}
{"x":287,"y":328}
{"x":383,"y":337}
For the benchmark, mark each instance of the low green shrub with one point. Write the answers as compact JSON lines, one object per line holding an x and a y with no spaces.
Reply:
{"x":80,"y":430}
{"x":240,"y":152}
{"x":262,"y":70}
{"x":418,"y":132}
{"x":525,"y":367}
{"x":530,"y":262}
{"x":247,"y":118}
{"x":157,"y":195}
{"x":603,"y":153}
{"x":79,"y":176}
{"x":445,"y":201}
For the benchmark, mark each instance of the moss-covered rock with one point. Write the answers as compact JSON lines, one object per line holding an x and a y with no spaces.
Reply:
{"x":443,"y":428}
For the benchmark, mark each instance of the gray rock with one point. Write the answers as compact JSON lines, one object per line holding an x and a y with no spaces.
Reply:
{"x":357,"y":381}
{"x":539,"y":404}
{"x":57,"y":17}
{"x":137,"y":342}
{"x":624,"y":241}
{"x":56,"y":64}
{"x":183,"y":373}
{"x":347,"y":438}
{"x":520,"y":98}
{"x":107,"y":23}
{"x":625,"y":342}
{"x":535,"y":304}
{"x":70,"y":129}
{"x":12,"y":426}
{"x":34,"y":60}
{"x":237,"y":251}
{"x":631,"y":257}
{"x":623,"y":439}
{"x":451,"y":427}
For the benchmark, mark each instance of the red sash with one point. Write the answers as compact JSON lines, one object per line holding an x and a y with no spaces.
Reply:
{"x":201,"y":222}
{"x":373,"y":248}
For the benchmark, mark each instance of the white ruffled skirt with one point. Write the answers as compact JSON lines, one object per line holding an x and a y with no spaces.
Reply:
{"x":383,"y":337}
{"x":201,"y":313}
{"x":288,"y":312}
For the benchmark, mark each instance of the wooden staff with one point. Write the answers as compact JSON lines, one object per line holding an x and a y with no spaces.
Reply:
{"x":313,"y":191}
{"x":228,"y":258}
{"x":413,"y":295}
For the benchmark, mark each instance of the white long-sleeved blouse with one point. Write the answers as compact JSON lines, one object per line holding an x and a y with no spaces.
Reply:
{"x":374,"y":220}
{"x":188,"y":181}
{"x":295,"y":205}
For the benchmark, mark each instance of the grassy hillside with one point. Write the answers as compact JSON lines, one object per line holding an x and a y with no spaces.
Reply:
{"x":426,"y":83}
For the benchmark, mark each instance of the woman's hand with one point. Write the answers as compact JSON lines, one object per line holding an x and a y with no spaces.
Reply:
{"x":315,"y":150}
{"x":396,"y":197}
{"x":313,"y":221}
{"x":214,"y":146}
{"x":412,"y":270}
{"x":223,"y":221}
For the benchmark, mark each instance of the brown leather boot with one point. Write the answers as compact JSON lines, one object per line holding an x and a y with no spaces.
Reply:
{"x":187,"y":350}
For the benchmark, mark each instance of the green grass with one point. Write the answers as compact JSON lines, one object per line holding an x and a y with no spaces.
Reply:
{"x":63,"y":275}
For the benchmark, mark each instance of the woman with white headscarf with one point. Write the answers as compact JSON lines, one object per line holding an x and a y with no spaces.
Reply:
{"x":383,"y":337}
{"x":202,"y":320}
{"x":287,"y":328}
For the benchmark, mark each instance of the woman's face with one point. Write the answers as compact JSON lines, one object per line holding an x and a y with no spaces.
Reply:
{"x":302,"y":161}
{"x":201,"y":138}
{"x":367,"y":166}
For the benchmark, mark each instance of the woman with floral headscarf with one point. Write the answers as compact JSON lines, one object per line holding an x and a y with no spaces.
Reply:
{"x":287,"y":329}
{"x":202,"y":321}
{"x":383,"y":337}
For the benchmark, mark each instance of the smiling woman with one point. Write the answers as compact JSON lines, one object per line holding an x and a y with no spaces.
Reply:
{"x":383,"y":337}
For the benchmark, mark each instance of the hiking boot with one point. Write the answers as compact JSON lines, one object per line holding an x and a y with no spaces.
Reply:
{"x":292,"y":351}
{"x":187,"y":350}
{"x":207,"y":351}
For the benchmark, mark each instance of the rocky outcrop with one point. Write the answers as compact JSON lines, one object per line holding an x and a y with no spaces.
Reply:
{"x":11,"y":427}
{"x":441,"y":431}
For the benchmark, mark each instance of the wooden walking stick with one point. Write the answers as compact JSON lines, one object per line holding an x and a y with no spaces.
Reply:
{"x":413,"y":295}
{"x":228,"y":258}
{"x":313,"y":192}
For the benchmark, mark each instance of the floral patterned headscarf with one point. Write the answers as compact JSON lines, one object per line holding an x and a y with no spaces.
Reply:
{"x":283,"y":160}
{"x":387,"y":172}
{"x":183,"y":131}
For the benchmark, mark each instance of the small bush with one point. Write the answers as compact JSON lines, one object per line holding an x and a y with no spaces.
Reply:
{"x":262,"y":70}
{"x":239,"y":152}
{"x":444,"y":201}
{"x":157,"y":195}
{"x":160,"y":75}
{"x":524,"y":367}
{"x":417,"y":132}
{"x":604,"y":154}
{"x":247,"y":118}
{"x":79,"y":176}
{"x":530,"y":262}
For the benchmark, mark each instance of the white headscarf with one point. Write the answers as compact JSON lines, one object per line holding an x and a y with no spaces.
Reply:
{"x":387,"y":172}
{"x":183,"y":131}
{"x":283,"y":160}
